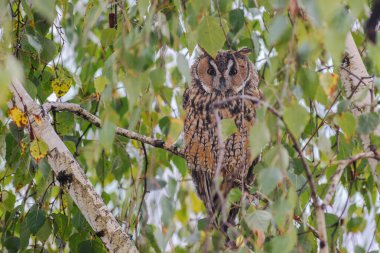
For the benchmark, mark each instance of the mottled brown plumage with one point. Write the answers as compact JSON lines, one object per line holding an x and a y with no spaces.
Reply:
{"x":230,"y":74}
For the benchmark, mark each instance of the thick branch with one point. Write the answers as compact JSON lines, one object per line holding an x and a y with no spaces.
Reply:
{"x":72,"y":179}
{"x":78,"y":110}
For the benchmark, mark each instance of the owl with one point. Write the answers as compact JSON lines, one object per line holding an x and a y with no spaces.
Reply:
{"x":212,"y":97}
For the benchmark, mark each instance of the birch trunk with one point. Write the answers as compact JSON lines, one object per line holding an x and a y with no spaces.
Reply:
{"x":359,"y":87}
{"x":72,"y":179}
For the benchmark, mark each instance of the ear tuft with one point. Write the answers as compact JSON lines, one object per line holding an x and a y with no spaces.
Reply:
{"x":245,"y":51}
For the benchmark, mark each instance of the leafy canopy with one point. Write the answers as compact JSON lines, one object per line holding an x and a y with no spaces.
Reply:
{"x":133,"y":75}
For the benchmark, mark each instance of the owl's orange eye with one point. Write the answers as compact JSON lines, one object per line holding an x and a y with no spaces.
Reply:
{"x":211,"y":72}
{"x":233,"y":72}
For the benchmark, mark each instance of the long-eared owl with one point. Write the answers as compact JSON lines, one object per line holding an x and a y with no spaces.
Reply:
{"x":216,"y":93}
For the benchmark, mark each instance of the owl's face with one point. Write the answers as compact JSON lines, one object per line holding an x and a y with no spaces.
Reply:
{"x":228,"y":71}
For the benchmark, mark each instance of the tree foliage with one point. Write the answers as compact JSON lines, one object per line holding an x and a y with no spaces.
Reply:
{"x":128,"y":63}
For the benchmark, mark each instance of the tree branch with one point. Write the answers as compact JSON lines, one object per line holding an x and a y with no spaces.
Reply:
{"x":83,"y":113}
{"x":71,"y":177}
{"x":342,"y":164}
{"x":320,"y":215}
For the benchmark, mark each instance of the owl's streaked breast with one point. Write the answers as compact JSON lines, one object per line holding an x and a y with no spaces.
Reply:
{"x":202,"y":148}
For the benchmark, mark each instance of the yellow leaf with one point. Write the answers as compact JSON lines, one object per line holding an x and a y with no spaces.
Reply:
{"x":18,"y":117}
{"x":239,"y":241}
{"x":61,"y":86}
{"x":38,"y":149}
{"x":196,"y":203}
{"x":329,"y":83}
{"x":260,"y":238}
{"x":32,"y":24}
{"x":176,"y":127}
{"x":23,"y":147}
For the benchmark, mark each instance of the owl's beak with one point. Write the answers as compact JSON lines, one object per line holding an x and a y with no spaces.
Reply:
{"x":222,"y":83}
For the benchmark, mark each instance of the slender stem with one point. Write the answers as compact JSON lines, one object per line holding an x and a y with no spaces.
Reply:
{"x":78,"y":110}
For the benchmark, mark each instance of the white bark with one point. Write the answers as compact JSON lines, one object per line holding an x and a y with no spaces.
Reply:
{"x":358,"y":86}
{"x":72,"y":178}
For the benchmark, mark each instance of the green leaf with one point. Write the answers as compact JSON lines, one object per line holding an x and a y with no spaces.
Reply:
{"x":61,"y":225}
{"x":107,"y":135}
{"x":164,"y":125}
{"x":202,"y":224}
{"x":12,"y":244}
{"x":228,"y":127}
{"x":157,"y":77}
{"x":347,"y":122}
{"x":259,"y":219}
{"x":269,"y":178}
{"x":259,"y":137}
{"x":107,"y":37}
{"x":75,"y":240}
{"x":236,"y":18}
{"x":143,"y":6}
{"x":149,"y":231}
{"x":356,"y":224}
{"x":277,"y":157}
{"x":45,"y":8}
{"x":210,"y":35}
{"x":279,"y":28}
{"x":91,"y":246}
{"x":359,"y":249}
{"x":167,"y":210}
{"x":100,"y":83}
{"x":24,"y":235}
{"x":180,"y":163}
{"x":9,"y":200}
{"x":65,"y":123}
{"x":49,"y":50}
{"x":35,"y":219}
{"x":284,"y":244}
{"x":102,"y":168}
{"x":183,"y":67}
{"x":368,"y":122}
{"x":45,"y":231}
{"x":308,"y":80}
{"x":296,"y":118}
{"x":234,"y":195}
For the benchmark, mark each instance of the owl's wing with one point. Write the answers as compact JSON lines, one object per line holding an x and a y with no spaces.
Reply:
{"x":205,"y":188}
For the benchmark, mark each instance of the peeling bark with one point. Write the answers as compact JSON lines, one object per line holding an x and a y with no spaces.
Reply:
{"x":72,"y":179}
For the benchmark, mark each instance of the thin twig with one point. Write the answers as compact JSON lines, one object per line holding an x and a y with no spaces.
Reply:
{"x":83,"y":113}
{"x":221,"y":25}
{"x":251,"y":98}
{"x":323,"y":120}
{"x":146,"y":163}
{"x":321,"y":224}
{"x":360,"y":79}
{"x":342,"y":164}
{"x":85,"y":131}
{"x":374,"y":233}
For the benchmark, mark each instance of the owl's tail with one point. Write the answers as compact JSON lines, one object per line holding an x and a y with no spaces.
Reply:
{"x":206,"y":191}
{"x":205,"y":188}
